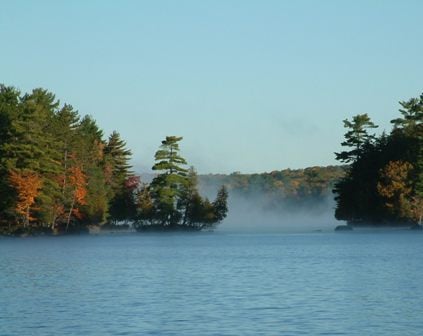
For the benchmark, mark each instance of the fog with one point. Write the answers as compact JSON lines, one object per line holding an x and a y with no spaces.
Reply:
{"x":258,"y":213}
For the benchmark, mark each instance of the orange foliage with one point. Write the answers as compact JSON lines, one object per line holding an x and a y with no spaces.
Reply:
{"x":78,"y":181}
{"x":26,"y":184}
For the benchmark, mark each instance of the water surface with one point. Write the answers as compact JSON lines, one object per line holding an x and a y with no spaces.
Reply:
{"x":213,"y":284}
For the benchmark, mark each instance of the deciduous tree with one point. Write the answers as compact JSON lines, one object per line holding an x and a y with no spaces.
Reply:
{"x":27,"y":184}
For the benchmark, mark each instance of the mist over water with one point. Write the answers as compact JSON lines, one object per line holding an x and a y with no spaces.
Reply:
{"x":245,"y":216}
{"x":258,"y":213}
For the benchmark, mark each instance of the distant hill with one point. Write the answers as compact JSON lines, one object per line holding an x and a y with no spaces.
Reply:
{"x":289,"y":186}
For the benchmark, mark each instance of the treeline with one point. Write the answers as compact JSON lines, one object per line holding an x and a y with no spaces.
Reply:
{"x":289,"y":189}
{"x":384,"y":181}
{"x":57,"y":172}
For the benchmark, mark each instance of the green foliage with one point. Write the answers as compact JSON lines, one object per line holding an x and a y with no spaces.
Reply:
{"x":168,"y":186}
{"x":295,"y":189}
{"x":168,"y":159}
{"x":9,"y":108}
{"x":172,"y":200}
{"x":117,"y":173}
{"x":384,"y":181}
{"x":220,"y":206}
{"x":356,"y":138}
{"x":69,"y":156}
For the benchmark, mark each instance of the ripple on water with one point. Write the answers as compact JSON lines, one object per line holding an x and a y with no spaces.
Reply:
{"x":213,"y":284}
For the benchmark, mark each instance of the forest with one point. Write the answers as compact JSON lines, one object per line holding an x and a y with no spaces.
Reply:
{"x":279,"y":191}
{"x":383,"y":185}
{"x":58,"y":174}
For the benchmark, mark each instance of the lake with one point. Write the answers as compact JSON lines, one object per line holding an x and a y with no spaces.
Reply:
{"x":357,"y":283}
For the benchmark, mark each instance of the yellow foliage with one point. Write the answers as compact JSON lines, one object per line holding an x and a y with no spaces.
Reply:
{"x":394,"y":186}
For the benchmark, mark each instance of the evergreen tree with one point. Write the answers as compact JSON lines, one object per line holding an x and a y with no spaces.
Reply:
{"x":54,"y":167}
{"x":65,"y":124}
{"x":119,"y":176}
{"x":167,"y":186}
{"x":356,"y":137}
{"x":411,"y":121}
{"x":189,"y":203}
{"x":172,"y":200}
{"x":9,"y":109}
{"x":117,"y":158}
{"x":90,"y":152}
{"x":383,"y":182}
{"x":220,"y":205}
{"x":33,"y":147}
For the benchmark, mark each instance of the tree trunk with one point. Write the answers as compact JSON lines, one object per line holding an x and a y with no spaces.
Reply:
{"x":70,"y":213}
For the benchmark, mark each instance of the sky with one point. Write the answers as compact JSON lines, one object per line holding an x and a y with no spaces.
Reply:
{"x":252,"y":86}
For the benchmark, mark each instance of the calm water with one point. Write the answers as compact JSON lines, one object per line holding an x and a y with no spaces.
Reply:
{"x":213,"y":284}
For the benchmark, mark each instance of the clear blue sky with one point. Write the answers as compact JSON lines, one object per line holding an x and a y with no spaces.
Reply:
{"x":251,"y":85}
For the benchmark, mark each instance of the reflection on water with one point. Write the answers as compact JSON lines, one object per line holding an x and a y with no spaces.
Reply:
{"x":213,"y":284}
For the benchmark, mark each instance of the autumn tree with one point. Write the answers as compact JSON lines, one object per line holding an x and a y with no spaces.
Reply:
{"x":78,"y":191}
{"x":383,"y":182}
{"x":26,"y":184}
{"x":68,"y":155}
{"x":394,"y":186}
{"x":32,"y":146}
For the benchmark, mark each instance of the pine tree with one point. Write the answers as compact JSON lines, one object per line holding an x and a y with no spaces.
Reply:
{"x":220,"y":205}
{"x":117,"y":158}
{"x":356,"y":137}
{"x":172,"y":200}
{"x":383,"y":182}
{"x":9,"y":109}
{"x":119,"y":176}
{"x":33,"y":147}
{"x":411,"y":121}
{"x":64,"y":126}
{"x":167,"y":186}
{"x":90,"y":153}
